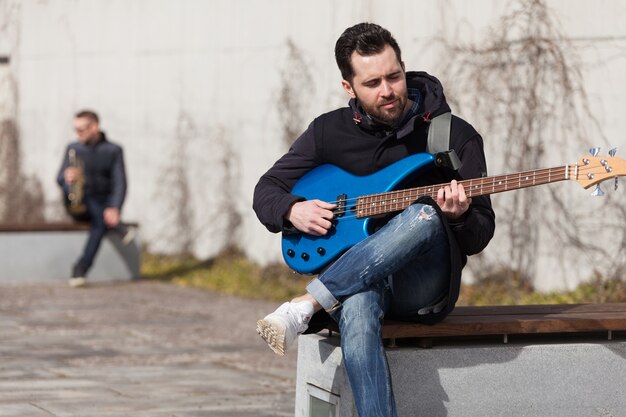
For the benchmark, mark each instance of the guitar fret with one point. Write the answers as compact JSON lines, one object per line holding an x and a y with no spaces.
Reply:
{"x":380,"y":204}
{"x":371,"y":205}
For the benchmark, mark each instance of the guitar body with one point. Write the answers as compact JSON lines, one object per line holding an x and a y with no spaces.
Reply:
{"x":309,"y":254}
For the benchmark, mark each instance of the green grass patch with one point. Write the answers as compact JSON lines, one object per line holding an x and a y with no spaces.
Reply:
{"x":232,"y":273}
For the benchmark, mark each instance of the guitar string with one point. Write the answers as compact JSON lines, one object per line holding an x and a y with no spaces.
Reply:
{"x":385,"y":206}
{"x":504,"y":181}
{"x":423,"y":190}
{"x":539,"y":175}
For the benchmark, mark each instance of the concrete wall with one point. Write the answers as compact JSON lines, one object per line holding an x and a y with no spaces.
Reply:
{"x":547,"y":377}
{"x":192,"y":89}
{"x":48,"y":256}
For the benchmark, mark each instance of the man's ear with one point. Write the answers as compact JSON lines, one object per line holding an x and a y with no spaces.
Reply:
{"x":348,"y":87}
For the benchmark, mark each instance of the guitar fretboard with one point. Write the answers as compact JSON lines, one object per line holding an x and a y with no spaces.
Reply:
{"x":392,"y":201}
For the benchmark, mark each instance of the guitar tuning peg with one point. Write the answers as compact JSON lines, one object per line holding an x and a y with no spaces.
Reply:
{"x":598,"y":191}
{"x":612,"y":152}
{"x":594,"y":151}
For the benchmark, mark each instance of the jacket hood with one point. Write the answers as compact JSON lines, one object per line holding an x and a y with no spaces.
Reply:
{"x":432,"y":103}
{"x":431,"y":91}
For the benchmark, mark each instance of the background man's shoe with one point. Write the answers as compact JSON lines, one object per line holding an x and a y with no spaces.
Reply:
{"x":79,"y":274}
{"x":77,"y":282}
{"x":126,"y":233}
{"x":129,"y":235}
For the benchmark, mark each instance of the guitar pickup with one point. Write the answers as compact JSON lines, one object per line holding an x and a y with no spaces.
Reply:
{"x":340,"y":210}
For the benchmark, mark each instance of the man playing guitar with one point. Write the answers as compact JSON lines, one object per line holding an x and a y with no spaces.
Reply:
{"x":409,"y":267}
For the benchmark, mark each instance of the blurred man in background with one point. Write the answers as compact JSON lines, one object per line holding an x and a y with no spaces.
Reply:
{"x":93,"y":179}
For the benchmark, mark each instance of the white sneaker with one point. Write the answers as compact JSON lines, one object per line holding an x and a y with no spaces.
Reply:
{"x":280,"y":328}
{"x":77,"y":282}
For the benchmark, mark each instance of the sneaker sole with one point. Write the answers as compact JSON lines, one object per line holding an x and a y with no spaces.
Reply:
{"x":273,"y":334}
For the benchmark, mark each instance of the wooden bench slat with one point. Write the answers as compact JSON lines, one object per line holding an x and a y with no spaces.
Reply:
{"x":599,"y":317}
{"x":536,"y":317}
{"x":537,"y":309}
{"x":494,"y":320}
{"x":522,"y":319}
{"x":518,"y":326}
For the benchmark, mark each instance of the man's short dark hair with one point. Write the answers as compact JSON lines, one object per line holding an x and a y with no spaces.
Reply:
{"x":88,"y":114}
{"x":366,"y":39}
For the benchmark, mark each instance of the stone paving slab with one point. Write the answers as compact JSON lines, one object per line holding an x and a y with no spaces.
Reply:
{"x":137,"y":349}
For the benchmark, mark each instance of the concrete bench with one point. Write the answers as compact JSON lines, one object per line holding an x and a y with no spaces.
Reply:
{"x":47,"y":251}
{"x":542,"y":360}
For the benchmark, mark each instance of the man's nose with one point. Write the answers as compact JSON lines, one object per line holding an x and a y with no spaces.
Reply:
{"x":385,"y":89}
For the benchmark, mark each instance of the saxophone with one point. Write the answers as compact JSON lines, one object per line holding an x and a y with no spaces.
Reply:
{"x":76,"y":192}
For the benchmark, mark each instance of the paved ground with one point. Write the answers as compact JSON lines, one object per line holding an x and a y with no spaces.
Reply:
{"x":137,"y":349}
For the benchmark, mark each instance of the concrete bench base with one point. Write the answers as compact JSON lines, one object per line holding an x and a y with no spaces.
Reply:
{"x":574,"y":378}
{"x":47,"y":253}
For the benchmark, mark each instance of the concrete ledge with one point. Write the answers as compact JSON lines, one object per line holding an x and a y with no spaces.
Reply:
{"x":40,"y":253}
{"x":577,"y":377}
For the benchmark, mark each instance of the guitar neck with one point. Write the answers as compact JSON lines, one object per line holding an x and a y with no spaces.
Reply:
{"x":392,"y":201}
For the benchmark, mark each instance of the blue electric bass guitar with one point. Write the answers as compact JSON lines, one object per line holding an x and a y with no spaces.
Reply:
{"x":359,"y":199}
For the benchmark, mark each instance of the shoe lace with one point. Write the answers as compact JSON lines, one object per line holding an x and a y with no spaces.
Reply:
{"x":301,"y":317}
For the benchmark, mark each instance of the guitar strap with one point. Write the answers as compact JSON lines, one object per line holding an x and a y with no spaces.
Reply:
{"x":439,"y":142}
{"x":439,"y":133}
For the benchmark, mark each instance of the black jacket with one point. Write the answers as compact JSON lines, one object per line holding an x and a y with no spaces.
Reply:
{"x":365,"y":147}
{"x":105,"y":175}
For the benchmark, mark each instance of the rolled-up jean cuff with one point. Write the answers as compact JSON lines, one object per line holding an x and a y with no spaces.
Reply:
{"x":322,"y":295}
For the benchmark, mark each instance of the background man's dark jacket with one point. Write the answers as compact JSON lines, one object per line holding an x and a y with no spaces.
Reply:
{"x":105,"y":176}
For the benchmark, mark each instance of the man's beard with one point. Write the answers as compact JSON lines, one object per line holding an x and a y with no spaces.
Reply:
{"x":390,"y":118}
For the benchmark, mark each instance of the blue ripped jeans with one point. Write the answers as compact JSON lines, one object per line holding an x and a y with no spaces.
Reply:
{"x":396,"y":272}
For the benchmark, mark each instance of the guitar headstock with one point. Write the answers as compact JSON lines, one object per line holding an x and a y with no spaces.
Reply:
{"x":592,"y":170}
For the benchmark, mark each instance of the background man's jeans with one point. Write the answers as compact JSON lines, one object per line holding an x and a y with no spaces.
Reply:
{"x":402,"y":268}
{"x":97,"y":230}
